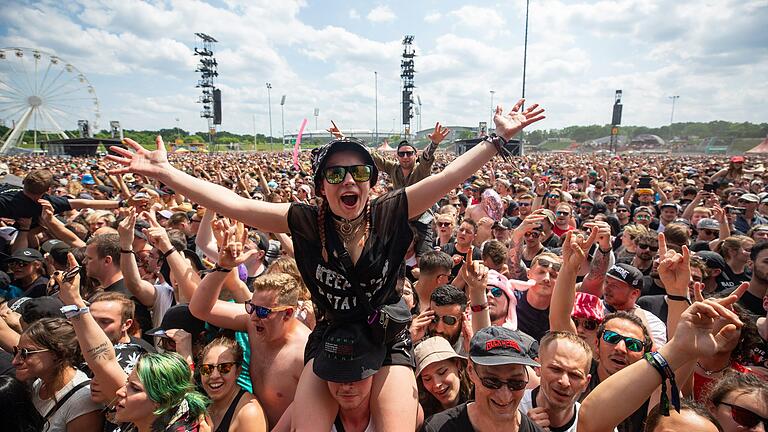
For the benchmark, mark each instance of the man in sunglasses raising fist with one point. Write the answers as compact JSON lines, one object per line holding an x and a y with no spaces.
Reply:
{"x":410,"y":168}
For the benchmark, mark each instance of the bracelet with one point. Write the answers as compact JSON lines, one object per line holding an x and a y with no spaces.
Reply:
{"x":604,"y":252}
{"x":121,"y":203}
{"x":679,"y":298}
{"x":165,"y":255}
{"x":71,"y":311}
{"x":662,"y":367}
{"x":480,"y":307}
{"x":219,"y":268}
{"x":499,"y":143}
{"x":127,"y":251}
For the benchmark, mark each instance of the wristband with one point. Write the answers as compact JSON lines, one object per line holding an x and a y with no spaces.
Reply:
{"x":679,"y":298}
{"x":71,"y":311}
{"x":604,"y":252}
{"x":219,"y":268}
{"x":127,"y":251}
{"x":121,"y":203}
{"x":480,"y":307}
{"x":165,"y":255}
{"x":662,"y":367}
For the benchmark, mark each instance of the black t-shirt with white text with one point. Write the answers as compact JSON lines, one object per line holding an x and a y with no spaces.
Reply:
{"x":451,"y":250}
{"x":376,"y":269}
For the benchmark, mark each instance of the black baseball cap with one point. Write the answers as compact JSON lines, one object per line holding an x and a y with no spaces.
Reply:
{"x":495,"y":346}
{"x":712,"y":259}
{"x":26,"y":255}
{"x":627,"y":274}
{"x":179,"y":317}
{"x":34,"y":309}
{"x":349,"y":354}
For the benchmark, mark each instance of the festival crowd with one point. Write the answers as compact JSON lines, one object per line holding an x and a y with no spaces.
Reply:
{"x":358,"y":290}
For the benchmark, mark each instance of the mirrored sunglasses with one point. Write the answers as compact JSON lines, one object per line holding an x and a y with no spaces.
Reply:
{"x":359,"y":173}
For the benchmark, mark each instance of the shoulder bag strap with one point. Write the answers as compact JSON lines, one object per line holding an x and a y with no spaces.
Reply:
{"x":66,"y":397}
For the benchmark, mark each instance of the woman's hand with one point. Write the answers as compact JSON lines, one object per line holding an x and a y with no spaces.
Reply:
{"x":439,"y":134}
{"x":141,"y":161}
{"x":334,"y":130}
{"x":507,"y":126}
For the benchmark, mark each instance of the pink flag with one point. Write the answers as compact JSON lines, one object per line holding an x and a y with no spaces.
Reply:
{"x":298,"y":145}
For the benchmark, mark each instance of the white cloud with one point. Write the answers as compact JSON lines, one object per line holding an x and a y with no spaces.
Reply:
{"x":433,"y":17}
{"x":353,"y":14}
{"x":478,"y":17}
{"x":381,"y":13}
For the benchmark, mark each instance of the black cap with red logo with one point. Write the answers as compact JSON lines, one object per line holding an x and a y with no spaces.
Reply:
{"x":495,"y":346}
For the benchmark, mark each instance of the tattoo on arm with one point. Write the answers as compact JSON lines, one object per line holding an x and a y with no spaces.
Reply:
{"x":100,"y":352}
{"x":515,"y":251}
{"x":599,"y":265}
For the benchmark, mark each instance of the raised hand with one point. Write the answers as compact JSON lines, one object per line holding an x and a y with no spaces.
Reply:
{"x":231,"y":252}
{"x":439,"y":134}
{"x":157,"y":236}
{"x":576,"y":248}
{"x":45,"y":216}
{"x":420,"y":324}
{"x":125,"y":229}
{"x":695,"y":336}
{"x":603,"y":234}
{"x":69,"y":287}
{"x":334,"y":130}
{"x":141,"y":160}
{"x":507,"y":126}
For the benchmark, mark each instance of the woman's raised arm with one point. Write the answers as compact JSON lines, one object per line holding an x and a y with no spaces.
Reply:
{"x":425,"y":193}
{"x":265,"y":216}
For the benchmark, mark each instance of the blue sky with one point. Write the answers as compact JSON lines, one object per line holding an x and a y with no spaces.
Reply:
{"x":138,"y":56}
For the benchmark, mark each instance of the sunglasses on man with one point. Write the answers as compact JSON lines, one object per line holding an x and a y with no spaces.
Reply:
{"x":261,"y":311}
{"x":446,"y":319}
{"x":337,"y":174}
{"x":495,"y":383}
{"x":648,"y":247}
{"x":632,"y":344}
{"x":405,"y":153}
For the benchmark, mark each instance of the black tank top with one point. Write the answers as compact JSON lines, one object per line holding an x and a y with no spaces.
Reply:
{"x":227,"y":419}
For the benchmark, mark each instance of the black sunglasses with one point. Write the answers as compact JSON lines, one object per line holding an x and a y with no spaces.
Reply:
{"x":632,"y":344}
{"x":336,"y":174}
{"x":647,"y":246}
{"x":405,"y":153}
{"x":223,"y":368}
{"x":495,"y":383}
{"x":588,"y":323}
{"x":444,"y":224}
{"x":745,"y":417}
{"x":447,"y":319}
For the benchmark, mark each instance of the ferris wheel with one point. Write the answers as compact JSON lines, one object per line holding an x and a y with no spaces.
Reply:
{"x":41,"y":97}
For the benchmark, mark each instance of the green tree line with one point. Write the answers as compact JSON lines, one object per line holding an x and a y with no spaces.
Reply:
{"x":717,"y":128}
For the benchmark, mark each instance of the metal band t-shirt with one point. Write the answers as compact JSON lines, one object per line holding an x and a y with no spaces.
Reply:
{"x":375,"y":270}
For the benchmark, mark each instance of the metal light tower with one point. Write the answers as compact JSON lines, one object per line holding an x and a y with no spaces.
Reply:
{"x":672,"y":116}
{"x":616,"y":119}
{"x":269,"y":108}
{"x":492,"y":112}
{"x":407,"y":71}
{"x":282,"y":117}
{"x":211,"y":97}
{"x":419,"y":112}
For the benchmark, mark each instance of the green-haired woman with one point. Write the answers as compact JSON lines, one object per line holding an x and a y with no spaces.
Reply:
{"x":160,"y":396}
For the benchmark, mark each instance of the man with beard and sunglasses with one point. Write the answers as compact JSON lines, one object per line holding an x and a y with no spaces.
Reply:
{"x":498,"y":367}
{"x":447,"y":304}
{"x":410,"y":169}
{"x":647,"y":245}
